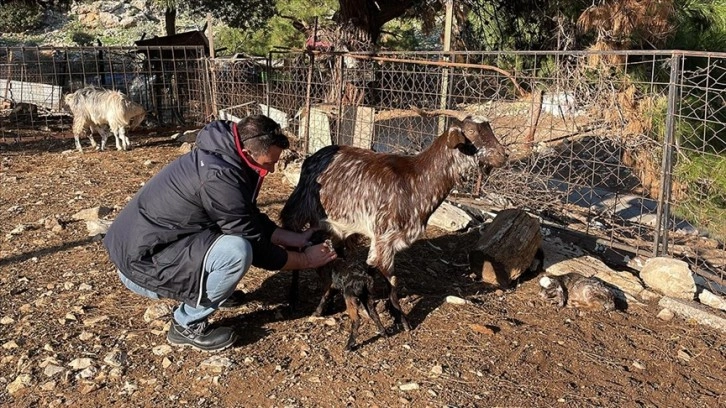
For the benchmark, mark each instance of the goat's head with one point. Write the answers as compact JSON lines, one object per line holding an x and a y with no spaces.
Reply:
{"x":473,"y":136}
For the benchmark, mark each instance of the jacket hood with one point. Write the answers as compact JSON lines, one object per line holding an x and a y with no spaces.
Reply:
{"x":219,"y":137}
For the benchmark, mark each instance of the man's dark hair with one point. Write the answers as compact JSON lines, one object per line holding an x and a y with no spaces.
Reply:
{"x":258,"y":133}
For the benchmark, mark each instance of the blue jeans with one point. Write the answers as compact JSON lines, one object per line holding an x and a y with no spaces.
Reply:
{"x":226,"y":262}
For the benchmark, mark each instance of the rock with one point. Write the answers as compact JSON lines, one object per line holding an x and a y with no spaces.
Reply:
{"x":692,"y":310}
{"x":216,"y":363}
{"x":91,"y":321}
{"x":85,"y":336}
{"x":628,"y":283}
{"x":671,"y":277}
{"x":161,"y":350}
{"x":666,"y":315}
{"x":709,"y":299}
{"x":684,"y":355}
{"x":97,"y":227}
{"x":185,"y":148}
{"x":115,"y":358}
{"x":48,"y":386}
{"x":450,"y":218}
{"x":437,"y":370}
{"x":52,"y":224}
{"x":91,"y":214}
{"x":9,"y":345}
{"x":127,"y":22}
{"x":88,"y":388}
{"x":88,"y":372}
{"x":637,"y":364}
{"x":52,"y":370}
{"x":156,"y":311}
{"x":166,"y":362}
{"x":408,"y":386}
{"x":455,"y":300}
{"x":18,"y":230}
{"x":84,"y":286}
{"x":80,"y":363}
{"x":7,"y":320}
{"x":20,"y":382}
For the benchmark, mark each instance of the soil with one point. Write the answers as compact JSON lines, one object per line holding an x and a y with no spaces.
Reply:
{"x":60,"y":300}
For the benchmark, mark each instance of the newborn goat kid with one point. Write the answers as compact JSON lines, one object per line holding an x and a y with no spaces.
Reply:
{"x":95,"y":108}
{"x":578,"y":291}
{"x":347,"y":275}
{"x":385,"y":197}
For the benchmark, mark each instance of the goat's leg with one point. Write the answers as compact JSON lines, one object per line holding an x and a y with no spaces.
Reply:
{"x":393,"y":305}
{"x":78,"y":128}
{"x":124,"y":140}
{"x":367,"y":300}
{"x":324,"y":301}
{"x":351,"y":307}
{"x":104,"y":136}
{"x":119,"y":141}
{"x":382,"y":258}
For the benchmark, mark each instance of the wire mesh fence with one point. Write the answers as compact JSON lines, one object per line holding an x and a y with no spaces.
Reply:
{"x":170,"y":82}
{"x":625,"y":147}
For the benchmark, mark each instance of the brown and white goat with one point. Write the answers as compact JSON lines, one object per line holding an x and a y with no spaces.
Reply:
{"x":95,"y":108}
{"x":386,"y":197}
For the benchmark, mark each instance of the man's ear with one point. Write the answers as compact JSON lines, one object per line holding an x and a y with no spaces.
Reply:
{"x":455,"y":137}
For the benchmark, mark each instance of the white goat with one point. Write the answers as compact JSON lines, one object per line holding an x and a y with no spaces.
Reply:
{"x":95,"y":108}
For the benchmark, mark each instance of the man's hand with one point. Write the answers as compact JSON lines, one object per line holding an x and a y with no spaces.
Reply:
{"x":319,"y":255}
{"x":292,"y":239}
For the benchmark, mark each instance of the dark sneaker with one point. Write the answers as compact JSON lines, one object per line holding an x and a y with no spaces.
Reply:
{"x":235,"y":300}
{"x":201,"y":336}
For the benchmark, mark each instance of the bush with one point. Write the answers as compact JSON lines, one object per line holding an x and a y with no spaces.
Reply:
{"x":18,"y":16}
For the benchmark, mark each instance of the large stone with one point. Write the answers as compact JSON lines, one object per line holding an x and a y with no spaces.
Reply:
{"x":709,"y":299}
{"x":689,"y":309}
{"x":91,"y":214}
{"x":671,"y":277}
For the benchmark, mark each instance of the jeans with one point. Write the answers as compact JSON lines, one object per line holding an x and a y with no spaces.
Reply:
{"x":226,"y":262}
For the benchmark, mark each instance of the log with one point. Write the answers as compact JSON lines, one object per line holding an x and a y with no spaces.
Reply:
{"x":507,"y":247}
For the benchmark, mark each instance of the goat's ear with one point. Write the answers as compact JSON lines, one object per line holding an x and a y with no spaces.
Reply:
{"x":455,"y":137}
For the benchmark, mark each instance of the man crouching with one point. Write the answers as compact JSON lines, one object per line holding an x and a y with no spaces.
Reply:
{"x":193,"y":230}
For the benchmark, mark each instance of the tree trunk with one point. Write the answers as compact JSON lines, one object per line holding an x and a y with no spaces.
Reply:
{"x":507,"y":248}
{"x":170,"y":20}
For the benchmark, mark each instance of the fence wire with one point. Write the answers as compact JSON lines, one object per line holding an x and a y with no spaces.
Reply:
{"x":170,"y":82}
{"x":628,"y":148}
{"x":591,"y":144}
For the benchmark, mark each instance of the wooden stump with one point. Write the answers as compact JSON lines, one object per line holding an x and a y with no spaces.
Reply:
{"x":507,"y":248}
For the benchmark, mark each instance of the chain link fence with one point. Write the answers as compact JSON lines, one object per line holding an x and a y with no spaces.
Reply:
{"x":170,"y":82}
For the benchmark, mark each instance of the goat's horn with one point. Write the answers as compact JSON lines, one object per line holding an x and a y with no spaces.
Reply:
{"x":447,"y":112}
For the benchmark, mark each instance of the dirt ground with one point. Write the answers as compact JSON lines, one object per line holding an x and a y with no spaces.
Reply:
{"x":72,"y":335}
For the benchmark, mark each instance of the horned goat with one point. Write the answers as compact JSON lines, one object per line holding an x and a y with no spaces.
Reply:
{"x":386,"y":197}
{"x":95,"y":108}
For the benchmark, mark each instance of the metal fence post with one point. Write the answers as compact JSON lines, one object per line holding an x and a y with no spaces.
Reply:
{"x":660,"y":245}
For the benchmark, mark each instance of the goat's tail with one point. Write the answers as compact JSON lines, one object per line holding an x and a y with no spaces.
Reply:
{"x":304,"y":208}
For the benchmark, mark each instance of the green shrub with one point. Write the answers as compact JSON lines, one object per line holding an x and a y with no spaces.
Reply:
{"x":18,"y":16}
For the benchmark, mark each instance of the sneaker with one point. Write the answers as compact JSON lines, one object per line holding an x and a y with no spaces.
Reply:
{"x":201,"y":336}
{"x":235,"y":300}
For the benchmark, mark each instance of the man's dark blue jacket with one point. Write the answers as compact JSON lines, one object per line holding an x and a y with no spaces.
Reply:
{"x":160,"y":239}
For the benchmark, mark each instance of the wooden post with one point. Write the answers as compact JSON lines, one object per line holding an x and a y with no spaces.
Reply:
{"x":210,"y":35}
{"x":212,"y":78}
{"x":445,"y":72}
{"x":10,"y":75}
